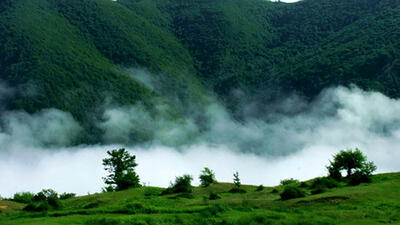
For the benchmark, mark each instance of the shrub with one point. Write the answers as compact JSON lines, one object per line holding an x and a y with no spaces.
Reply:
{"x":260,"y":188}
{"x":359,"y":177}
{"x":327,"y":182}
{"x":274,"y":190}
{"x":214,"y":196}
{"x":318,"y":189}
{"x":289,"y":181}
{"x":45,"y":194}
{"x":291,"y":191}
{"x":37,"y":207}
{"x":23,"y":197}
{"x":304,"y":185}
{"x":207,"y":177}
{"x":48,"y":196}
{"x":181,"y":185}
{"x":65,"y":196}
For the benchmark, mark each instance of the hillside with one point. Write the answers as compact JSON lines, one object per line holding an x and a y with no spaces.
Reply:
{"x":374,"y":203}
{"x":75,"y":55}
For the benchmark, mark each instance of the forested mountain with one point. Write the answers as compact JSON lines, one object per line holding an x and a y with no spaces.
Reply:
{"x":74,"y":55}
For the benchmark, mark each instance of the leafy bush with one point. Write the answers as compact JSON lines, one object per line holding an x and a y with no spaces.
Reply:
{"x":23,"y":197}
{"x":260,"y":188}
{"x":214,"y":196}
{"x":181,"y":185}
{"x":289,"y":181}
{"x":360,"y":177}
{"x":318,"y":189}
{"x":42,"y":201}
{"x":304,"y":185}
{"x":65,"y":196}
{"x":207,"y":177}
{"x":37,"y":206}
{"x":49,"y":196}
{"x":274,"y":190}
{"x":291,"y":191}
{"x":327,"y":182}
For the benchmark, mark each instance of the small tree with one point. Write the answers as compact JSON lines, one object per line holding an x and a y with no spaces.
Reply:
{"x":121,"y":166}
{"x":207,"y":177}
{"x":353,"y":162}
{"x":236,"y":180}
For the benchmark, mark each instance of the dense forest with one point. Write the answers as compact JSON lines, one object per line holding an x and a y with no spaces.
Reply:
{"x":78,"y":55}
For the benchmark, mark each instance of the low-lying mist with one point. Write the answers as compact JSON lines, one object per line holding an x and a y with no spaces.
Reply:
{"x":34,"y":152}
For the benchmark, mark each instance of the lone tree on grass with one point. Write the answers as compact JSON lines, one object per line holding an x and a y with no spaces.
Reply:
{"x":355,"y":164}
{"x":207,"y":177}
{"x":236,"y":180}
{"x":237,"y":184}
{"x":121,"y":166}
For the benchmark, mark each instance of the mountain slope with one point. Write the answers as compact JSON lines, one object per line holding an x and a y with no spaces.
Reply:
{"x":73,"y":55}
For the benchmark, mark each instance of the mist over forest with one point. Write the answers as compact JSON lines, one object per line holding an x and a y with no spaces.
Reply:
{"x":269,"y":89}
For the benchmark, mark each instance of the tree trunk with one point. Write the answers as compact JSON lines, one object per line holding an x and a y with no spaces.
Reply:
{"x":348,"y":172}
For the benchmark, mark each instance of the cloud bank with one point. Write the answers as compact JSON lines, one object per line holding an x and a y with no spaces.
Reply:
{"x":263,"y":150}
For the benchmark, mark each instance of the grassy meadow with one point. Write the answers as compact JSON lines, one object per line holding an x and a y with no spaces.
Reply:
{"x":377,"y":202}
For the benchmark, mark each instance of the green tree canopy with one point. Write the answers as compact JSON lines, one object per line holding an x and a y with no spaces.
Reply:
{"x":353,"y":162}
{"x":207,"y":177}
{"x":121,"y":166}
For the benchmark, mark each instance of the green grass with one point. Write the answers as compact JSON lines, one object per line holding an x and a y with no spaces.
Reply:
{"x":374,"y":203}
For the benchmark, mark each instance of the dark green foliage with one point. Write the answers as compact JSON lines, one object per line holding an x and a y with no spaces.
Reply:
{"x":260,"y":188}
{"x":289,"y":181}
{"x":121,"y":166}
{"x":318,"y":190}
{"x":68,"y":54}
{"x":354,"y":163}
{"x":291,"y":191}
{"x":37,"y":206}
{"x":42,"y":201}
{"x":327,"y":182}
{"x":274,"y":191}
{"x":236,"y":182}
{"x":363,"y":175}
{"x":65,"y":195}
{"x":207,"y":177}
{"x":213,"y":196}
{"x":182,"y":184}
{"x":47,"y":197}
{"x":23,"y":197}
{"x":303,"y":184}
